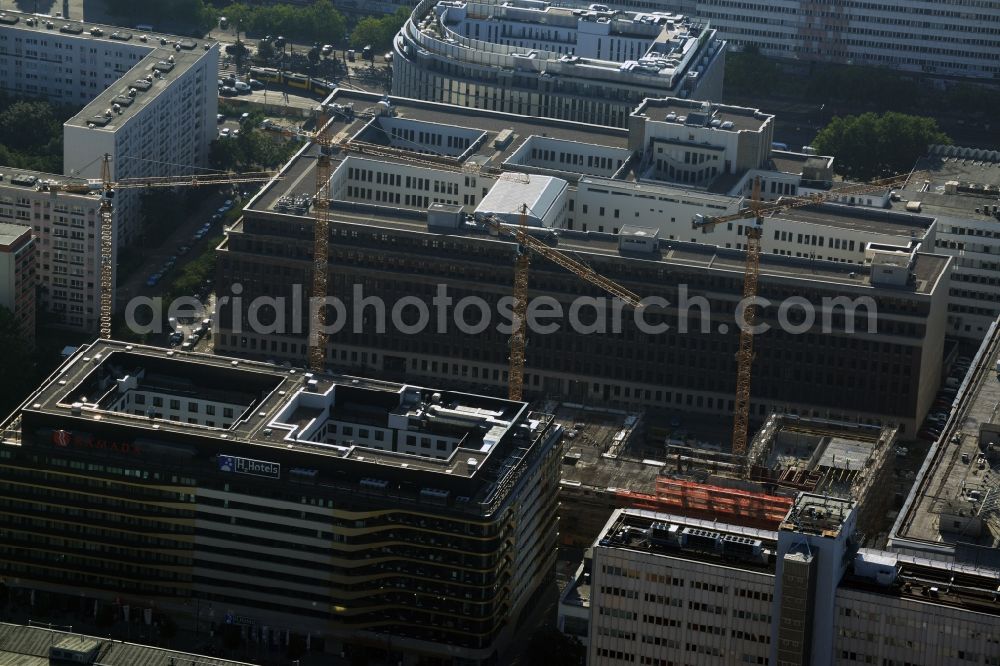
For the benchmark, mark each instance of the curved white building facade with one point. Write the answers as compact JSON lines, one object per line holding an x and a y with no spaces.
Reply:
{"x":528,"y":57}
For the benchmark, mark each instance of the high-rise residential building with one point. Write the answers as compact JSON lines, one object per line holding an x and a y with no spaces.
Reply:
{"x":663,"y":589}
{"x":65,"y":227}
{"x":18,"y":275}
{"x":353,"y":514}
{"x":538,"y":59}
{"x":410,"y":188}
{"x":958,"y":38}
{"x":147,"y":101}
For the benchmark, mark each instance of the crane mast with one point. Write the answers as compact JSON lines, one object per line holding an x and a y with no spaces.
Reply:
{"x":744,"y":356}
{"x":518,"y":335}
{"x":321,"y":247}
{"x":107,"y":189}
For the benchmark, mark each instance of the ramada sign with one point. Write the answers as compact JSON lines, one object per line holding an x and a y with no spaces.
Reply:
{"x":67,"y":439}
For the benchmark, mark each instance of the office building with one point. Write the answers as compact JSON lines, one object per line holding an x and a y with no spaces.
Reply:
{"x":960,"y":38}
{"x":387,"y":239}
{"x":18,"y":275}
{"x":349,"y":513}
{"x":65,"y":228}
{"x":664,"y":589}
{"x":952,"y":512}
{"x":533,"y":58}
{"x":960,"y":187}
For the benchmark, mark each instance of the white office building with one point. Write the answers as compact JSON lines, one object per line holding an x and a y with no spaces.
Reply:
{"x":533,"y":58}
{"x":957,"y":38}
{"x":662,"y":589}
{"x":148,"y":101}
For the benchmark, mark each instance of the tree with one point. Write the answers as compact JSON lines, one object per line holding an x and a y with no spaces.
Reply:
{"x":379,"y":32}
{"x":749,"y":72}
{"x":550,"y":647}
{"x":873,"y":146}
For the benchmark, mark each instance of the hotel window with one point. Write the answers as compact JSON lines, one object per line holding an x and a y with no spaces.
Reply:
{"x":175,"y":404}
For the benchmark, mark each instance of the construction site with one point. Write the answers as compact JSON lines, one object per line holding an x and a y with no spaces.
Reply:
{"x":603,"y":470}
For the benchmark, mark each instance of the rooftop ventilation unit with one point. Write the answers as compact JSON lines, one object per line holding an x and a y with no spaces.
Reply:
{"x":71,"y":29}
{"x":23,"y":179}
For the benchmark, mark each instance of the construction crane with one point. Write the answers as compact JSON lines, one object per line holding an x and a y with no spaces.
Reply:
{"x":758,"y":210}
{"x":321,"y":243}
{"x":107,"y":189}
{"x":526,"y":243}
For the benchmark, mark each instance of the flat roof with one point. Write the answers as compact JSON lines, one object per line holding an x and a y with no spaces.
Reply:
{"x":593,"y":453}
{"x":628,"y":529}
{"x":11,"y":232}
{"x":298,"y":177}
{"x":9,"y":174}
{"x":939,"y":171}
{"x":160,"y":47}
{"x":29,"y":646}
{"x":959,"y":479}
{"x":742,"y":118}
{"x":862,"y":219}
{"x":277,"y":408}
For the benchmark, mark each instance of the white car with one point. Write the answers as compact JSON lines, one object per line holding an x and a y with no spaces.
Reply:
{"x":242,"y":87}
{"x":224,"y":132}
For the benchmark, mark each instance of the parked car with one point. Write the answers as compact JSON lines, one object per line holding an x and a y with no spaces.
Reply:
{"x":220,"y":117}
{"x":224,"y":132}
{"x":228,"y":91}
{"x":327,"y":49}
{"x":255,"y":84}
{"x":176,"y":338}
{"x":242,"y":87}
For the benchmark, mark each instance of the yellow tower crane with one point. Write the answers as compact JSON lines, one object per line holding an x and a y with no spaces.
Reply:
{"x":526,"y":243}
{"x":107,"y":189}
{"x":758,"y":210}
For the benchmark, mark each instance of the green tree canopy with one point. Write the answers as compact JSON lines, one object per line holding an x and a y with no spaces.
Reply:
{"x":318,"y":22}
{"x":873,"y":146}
{"x":379,"y":31}
{"x":750,"y":73}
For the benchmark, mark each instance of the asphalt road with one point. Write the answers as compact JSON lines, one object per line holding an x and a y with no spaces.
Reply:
{"x":153,"y":258}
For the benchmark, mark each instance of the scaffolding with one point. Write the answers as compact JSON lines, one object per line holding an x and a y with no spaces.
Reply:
{"x":710,"y":502}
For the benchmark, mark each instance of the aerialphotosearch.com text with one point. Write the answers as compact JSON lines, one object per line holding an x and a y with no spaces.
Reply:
{"x":443,"y":314}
